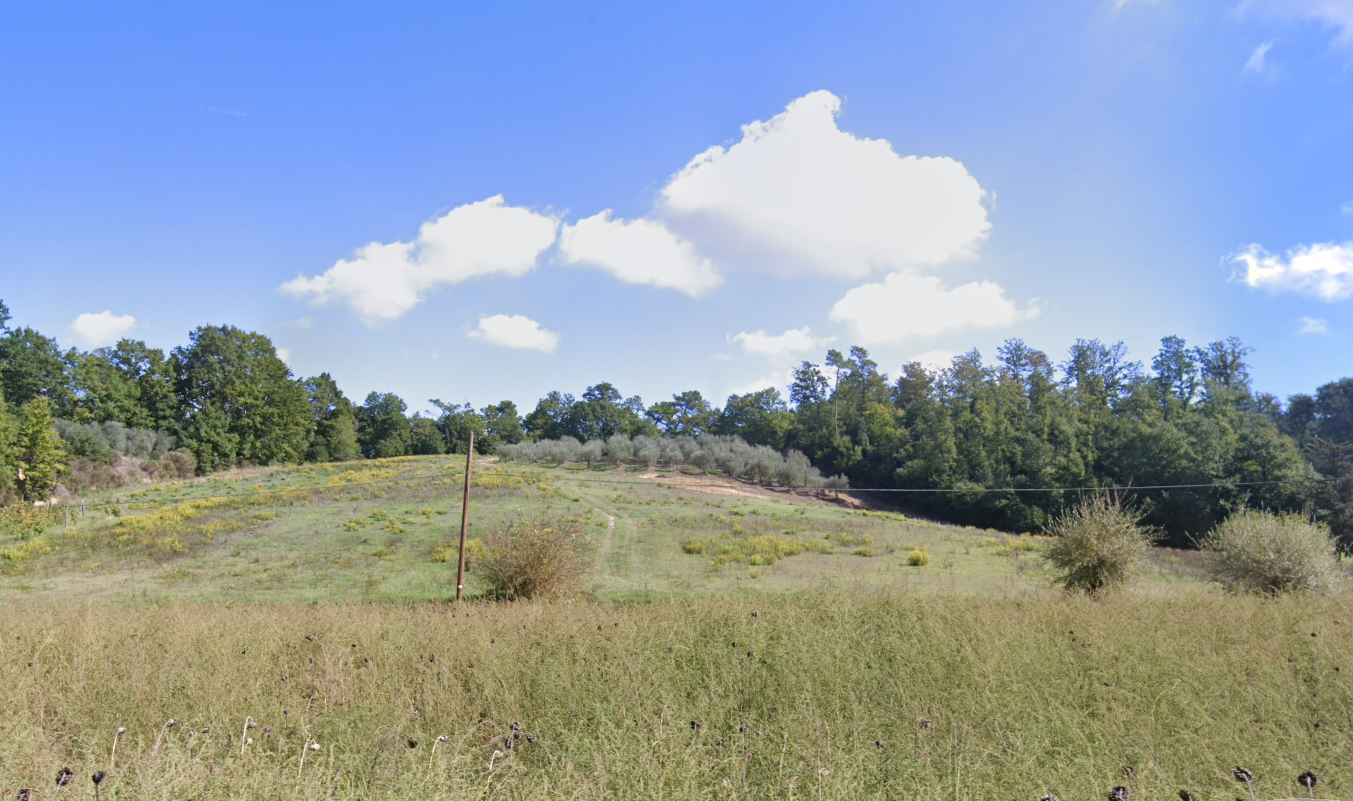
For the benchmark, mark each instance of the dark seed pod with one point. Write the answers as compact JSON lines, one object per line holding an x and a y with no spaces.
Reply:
{"x":1308,"y":780}
{"x":24,"y":794}
{"x":1185,"y":795}
{"x":1050,"y":797}
{"x":1118,"y":793}
{"x":1242,"y":775}
{"x":97,"y":777}
{"x":64,"y":776}
{"x":412,"y":743}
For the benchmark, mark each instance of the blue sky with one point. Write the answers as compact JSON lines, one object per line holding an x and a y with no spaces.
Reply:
{"x":1086,"y":169}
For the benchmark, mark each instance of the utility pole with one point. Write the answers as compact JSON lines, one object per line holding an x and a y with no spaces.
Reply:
{"x":464,"y":518}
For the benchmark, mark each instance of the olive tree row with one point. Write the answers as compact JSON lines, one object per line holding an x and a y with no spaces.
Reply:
{"x":729,"y":455}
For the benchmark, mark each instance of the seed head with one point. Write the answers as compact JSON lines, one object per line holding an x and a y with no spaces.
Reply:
{"x":923,"y":723}
{"x":171,"y":723}
{"x":314,"y":746}
{"x":248,"y":740}
{"x":1118,"y":793}
{"x":1308,"y":780}
{"x":64,"y":776}
{"x":24,"y":794}
{"x":1185,"y":795}
{"x":696,"y":725}
{"x":206,"y":730}
{"x":1242,"y":775}
{"x":441,"y":738}
{"x":412,"y":743}
{"x":97,"y":777}
{"x":121,"y":729}
{"x":1129,"y":771}
{"x":1050,"y":797}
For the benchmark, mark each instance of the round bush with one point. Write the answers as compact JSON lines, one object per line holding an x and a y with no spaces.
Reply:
{"x":536,"y":557}
{"x":1099,"y":544}
{"x":918,"y":558}
{"x":1257,"y":551}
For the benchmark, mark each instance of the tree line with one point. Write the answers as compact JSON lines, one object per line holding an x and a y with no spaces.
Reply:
{"x":982,"y":430}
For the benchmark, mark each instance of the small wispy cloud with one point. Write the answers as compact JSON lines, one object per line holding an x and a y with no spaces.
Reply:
{"x":1258,"y":63}
{"x":778,"y":346}
{"x":1347,"y":208}
{"x":1314,"y":325}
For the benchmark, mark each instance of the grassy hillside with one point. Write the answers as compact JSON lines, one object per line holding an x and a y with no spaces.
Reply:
{"x":384,"y":530}
{"x":831,"y":695}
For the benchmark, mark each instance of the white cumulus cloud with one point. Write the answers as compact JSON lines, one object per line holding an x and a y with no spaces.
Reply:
{"x":1314,"y":325}
{"x":777,"y":346}
{"x":1323,"y":270}
{"x":799,"y":195}
{"x":640,"y":251}
{"x":104,"y":328}
{"x":383,"y":281}
{"x":515,"y":331}
{"x":907,"y":305}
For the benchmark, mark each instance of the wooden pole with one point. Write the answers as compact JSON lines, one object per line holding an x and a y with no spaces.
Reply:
{"x":464,"y":518}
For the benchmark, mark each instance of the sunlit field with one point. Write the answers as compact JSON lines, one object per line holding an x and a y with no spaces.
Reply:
{"x":731,"y":642}
{"x":387,"y":530}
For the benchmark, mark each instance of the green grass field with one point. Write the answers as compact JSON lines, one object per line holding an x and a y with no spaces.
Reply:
{"x":375,"y":531}
{"x":731,"y":642}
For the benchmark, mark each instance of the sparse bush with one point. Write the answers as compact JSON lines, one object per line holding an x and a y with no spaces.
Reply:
{"x":1097,"y":545}
{"x":1258,"y":551}
{"x":536,"y":557}
{"x":918,"y":558}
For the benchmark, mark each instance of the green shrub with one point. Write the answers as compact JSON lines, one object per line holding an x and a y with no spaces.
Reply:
{"x":1098,"y":544}
{"x":1256,"y":551}
{"x":918,"y":558}
{"x":536,"y":557}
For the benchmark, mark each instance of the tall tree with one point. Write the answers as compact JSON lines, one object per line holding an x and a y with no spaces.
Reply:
{"x":9,"y":452}
{"x":335,"y":422}
{"x":1176,"y":371}
{"x":502,"y":425}
{"x":760,"y":418}
{"x":238,"y":401}
{"x":31,"y":365}
{"x":41,"y":459}
{"x":382,"y":428}
{"x":457,"y":422}
{"x":128,"y":383}
{"x":687,"y":413}
{"x":547,"y":420}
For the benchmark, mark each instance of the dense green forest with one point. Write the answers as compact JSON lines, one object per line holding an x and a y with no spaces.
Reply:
{"x":980,"y":431}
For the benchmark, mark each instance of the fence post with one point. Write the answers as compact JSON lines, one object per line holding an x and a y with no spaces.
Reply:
{"x":464,"y":518}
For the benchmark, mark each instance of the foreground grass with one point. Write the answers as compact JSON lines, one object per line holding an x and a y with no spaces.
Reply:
{"x":829,"y":696}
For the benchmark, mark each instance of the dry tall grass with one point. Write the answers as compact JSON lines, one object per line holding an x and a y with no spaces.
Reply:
{"x":825,"y":696}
